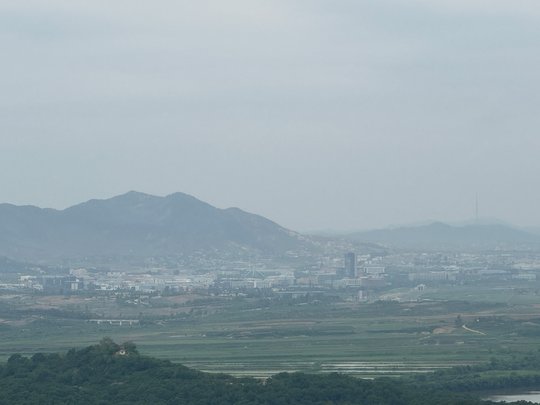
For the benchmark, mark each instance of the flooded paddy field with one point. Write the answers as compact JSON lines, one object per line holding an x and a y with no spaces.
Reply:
{"x":355,"y":368}
{"x":251,"y":337}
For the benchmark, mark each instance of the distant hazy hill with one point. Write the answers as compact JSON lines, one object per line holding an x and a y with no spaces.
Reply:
{"x":441,"y":236}
{"x":11,"y":266}
{"x":137,"y":224}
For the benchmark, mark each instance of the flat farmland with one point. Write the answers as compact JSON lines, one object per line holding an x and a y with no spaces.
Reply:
{"x":261,"y":337}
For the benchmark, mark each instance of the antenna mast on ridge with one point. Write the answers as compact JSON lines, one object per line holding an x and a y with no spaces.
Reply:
{"x":476,"y":208}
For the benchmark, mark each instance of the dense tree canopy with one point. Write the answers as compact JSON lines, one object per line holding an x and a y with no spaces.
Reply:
{"x":109,"y":373}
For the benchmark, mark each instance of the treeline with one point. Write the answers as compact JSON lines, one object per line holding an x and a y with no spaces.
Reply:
{"x":516,"y":372}
{"x":109,"y":373}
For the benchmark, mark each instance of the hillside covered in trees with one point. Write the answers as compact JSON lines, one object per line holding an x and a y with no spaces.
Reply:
{"x":109,"y":373}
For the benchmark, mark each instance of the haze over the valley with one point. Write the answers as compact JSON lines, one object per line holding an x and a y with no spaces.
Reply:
{"x":342,"y":115}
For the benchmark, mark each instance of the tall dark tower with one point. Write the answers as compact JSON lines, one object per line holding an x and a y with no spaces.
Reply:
{"x":476,"y":209}
{"x":350,"y":265}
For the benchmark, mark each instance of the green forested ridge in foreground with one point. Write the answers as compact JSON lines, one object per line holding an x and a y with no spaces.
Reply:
{"x":109,"y":373}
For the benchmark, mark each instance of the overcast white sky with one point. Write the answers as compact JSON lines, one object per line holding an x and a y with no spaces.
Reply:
{"x":343,"y":114}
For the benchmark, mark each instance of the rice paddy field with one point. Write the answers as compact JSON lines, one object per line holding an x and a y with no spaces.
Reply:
{"x":259,"y":337}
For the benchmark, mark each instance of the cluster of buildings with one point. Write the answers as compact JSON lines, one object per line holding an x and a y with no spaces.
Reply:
{"x":351,"y":272}
{"x":362,"y":276}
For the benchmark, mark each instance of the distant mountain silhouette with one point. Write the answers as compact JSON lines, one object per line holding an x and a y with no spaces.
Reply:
{"x":8,"y":265}
{"x":440,"y":236}
{"x":138,"y":224}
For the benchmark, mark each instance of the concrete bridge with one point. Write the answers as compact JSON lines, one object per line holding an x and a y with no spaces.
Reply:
{"x":118,"y":322}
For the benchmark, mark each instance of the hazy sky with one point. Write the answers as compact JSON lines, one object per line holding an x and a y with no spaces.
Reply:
{"x":317,"y":114}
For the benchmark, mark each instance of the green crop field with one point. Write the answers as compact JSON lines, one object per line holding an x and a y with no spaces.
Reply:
{"x":260,"y":338}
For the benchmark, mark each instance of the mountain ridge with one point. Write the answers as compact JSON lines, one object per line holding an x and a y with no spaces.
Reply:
{"x":138,"y":224}
{"x":442,"y":236}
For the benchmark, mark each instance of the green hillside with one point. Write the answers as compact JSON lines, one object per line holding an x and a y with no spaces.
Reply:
{"x":109,"y":373}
